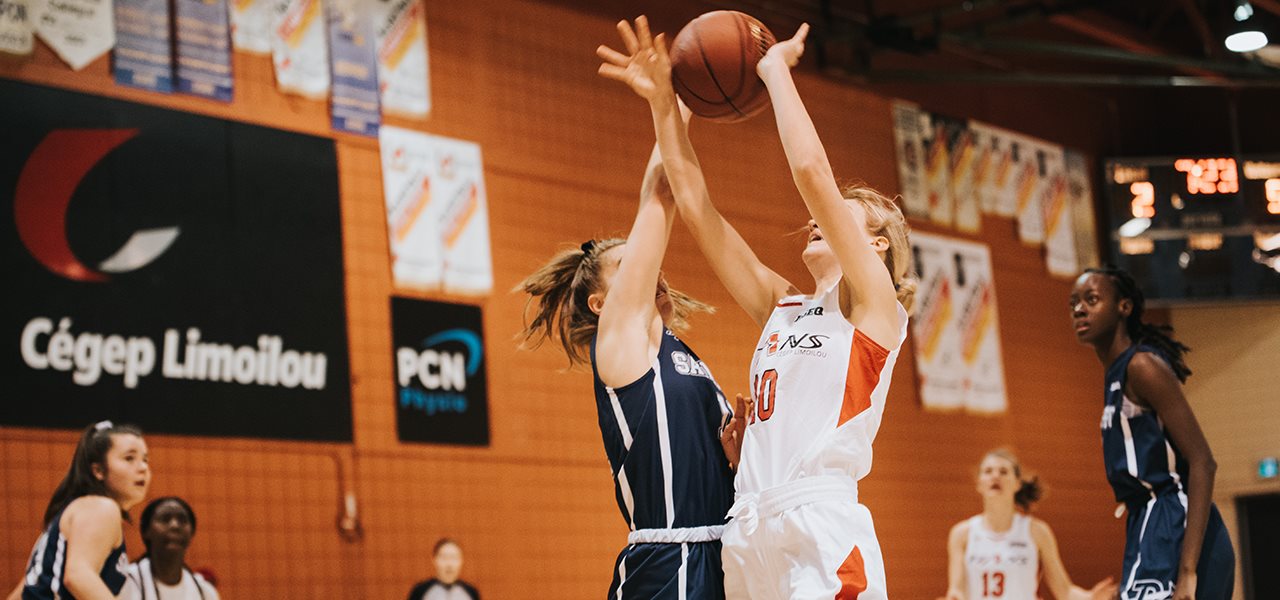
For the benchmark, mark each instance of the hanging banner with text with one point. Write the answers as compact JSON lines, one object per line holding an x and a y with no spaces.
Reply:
{"x":176,"y":271}
{"x":956,"y":329}
{"x":441,"y":387}
{"x":437,"y":213}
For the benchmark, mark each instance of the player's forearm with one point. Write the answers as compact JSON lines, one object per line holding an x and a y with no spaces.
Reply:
{"x":1201,"y":473}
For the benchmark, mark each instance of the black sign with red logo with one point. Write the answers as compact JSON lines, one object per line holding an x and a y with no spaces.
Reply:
{"x":179,"y":272}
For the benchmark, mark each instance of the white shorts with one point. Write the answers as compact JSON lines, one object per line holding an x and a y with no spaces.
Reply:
{"x":803,"y":540}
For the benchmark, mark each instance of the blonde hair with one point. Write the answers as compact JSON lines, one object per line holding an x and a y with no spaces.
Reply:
{"x":1029,"y":490}
{"x":559,"y":290}
{"x":884,"y":218}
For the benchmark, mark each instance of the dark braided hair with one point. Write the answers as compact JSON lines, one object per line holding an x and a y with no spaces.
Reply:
{"x":1141,"y":332}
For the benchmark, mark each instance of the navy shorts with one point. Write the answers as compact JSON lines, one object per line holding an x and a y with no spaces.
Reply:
{"x":1153,"y":546}
{"x":645,"y":571}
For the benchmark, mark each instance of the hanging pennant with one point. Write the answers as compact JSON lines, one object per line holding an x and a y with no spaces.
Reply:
{"x":937,"y":169}
{"x":204,"y":48}
{"x":143,"y":56}
{"x":16,"y":31}
{"x":403,"y":76}
{"x":298,"y":48}
{"x":251,"y":26}
{"x":78,"y":31}
{"x":354,"y":102}
{"x":906,"y":136}
{"x":963,"y":153}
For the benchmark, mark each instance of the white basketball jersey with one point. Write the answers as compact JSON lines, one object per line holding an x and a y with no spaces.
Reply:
{"x":819,"y":388}
{"x":1001,"y":565}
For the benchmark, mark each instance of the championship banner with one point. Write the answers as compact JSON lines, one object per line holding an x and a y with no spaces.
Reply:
{"x":403,"y":73}
{"x":1059,"y":231}
{"x":437,"y":212}
{"x":251,"y":25}
{"x":204,"y":48}
{"x":933,"y":328}
{"x":1029,"y":181}
{"x":956,"y":328}
{"x":910,"y":147}
{"x":17,"y":34}
{"x":78,"y":31}
{"x":354,"y":102}
{"x":963,"y":151}
{"x":1082,"y":217}
{"x":176,"y":271}
{"x":441,"y":387}
{"x":298,"y":48}
{"x":937,"y":169}
{"x":143,"y":57}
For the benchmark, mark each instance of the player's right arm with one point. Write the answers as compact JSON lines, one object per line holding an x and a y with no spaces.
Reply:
{"x":755,"y":287}
{"x":91,"y":525}
{"x":957,"y":541}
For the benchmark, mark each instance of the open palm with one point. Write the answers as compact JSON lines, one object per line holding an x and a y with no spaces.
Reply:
{"x":646,"y":68}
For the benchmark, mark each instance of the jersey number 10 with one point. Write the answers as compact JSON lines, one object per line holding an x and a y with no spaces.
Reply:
{"x":766,"y":391}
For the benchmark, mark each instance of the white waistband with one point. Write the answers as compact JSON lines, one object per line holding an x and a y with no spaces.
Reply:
{"x":750,"y":507}
{"x":680,"y":535}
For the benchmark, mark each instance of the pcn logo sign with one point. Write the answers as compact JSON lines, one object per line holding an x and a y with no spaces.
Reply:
{"x":44,"y":191}
{"x":439,"y":369}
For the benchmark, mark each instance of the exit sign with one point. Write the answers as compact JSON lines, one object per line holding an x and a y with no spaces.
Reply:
{"x":1267,"y":467}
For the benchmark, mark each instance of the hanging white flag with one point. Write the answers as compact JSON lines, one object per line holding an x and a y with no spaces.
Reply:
{"x":79,"y":31}
{"x":15,"y":27}
{"x":403,"y":74}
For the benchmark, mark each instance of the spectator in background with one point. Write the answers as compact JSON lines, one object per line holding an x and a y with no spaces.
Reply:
{"x":167,"y":526}
{"x":445,"y":585}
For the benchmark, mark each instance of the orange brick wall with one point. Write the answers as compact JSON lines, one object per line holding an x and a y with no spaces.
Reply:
{"x":563,"y":154}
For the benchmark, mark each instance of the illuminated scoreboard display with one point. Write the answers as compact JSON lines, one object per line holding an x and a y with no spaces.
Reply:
{"x":1199,"y":228}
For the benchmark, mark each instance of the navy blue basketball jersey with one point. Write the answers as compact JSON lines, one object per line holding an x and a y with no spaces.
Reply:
{"x":662,"y":437}
{"x":49,"y":561}
{"x":1141,"y":460}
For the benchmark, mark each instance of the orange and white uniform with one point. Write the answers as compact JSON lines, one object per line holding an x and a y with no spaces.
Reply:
{"x":819,"y":387}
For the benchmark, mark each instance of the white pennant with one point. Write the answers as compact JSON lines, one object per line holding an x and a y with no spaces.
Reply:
{"x":15,"y":27}
{"x":79,"y":31}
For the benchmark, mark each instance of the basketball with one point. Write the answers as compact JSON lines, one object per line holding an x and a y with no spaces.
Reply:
{"x":713,"y":65}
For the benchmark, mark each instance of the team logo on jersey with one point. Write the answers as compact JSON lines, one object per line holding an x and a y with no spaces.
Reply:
{"x":808,"y":344}
{"x":687,"y":365}
{"x":1149,"y":589}
{"x":812,"y":312}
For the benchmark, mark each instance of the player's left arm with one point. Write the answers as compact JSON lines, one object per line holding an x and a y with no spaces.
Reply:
{"x":874,"y":300}
{"x":1154,"y":384}
{"x":1055,"y":573}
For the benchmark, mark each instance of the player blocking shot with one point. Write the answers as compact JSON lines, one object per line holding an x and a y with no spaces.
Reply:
{"x":669,"y":435}
{"x":820,"y":372}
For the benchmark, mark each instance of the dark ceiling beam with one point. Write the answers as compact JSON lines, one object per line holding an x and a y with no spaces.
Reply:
{"x":1051,"y":79}
{"x":1201,"y":25}
{"x":1100,"y":53}
{"x":1271,"y":6}
{"x":1100,"y":27}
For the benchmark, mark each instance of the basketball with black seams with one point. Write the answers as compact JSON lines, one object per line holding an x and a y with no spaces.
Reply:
{"x":713,"y":65}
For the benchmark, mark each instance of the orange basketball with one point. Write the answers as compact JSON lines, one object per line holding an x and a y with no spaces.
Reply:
{"x":713,"y":65}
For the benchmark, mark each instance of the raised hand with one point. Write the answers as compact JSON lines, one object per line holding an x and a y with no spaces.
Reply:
{"x":787,"y":52}
{"x":645,"y":68}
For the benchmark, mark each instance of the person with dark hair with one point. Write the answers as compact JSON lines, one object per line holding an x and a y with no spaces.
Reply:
{"x":1001,"y":552}
{"x":445,"y":585}
{"x":81,"y":554}
{"x":669,"y":435}
{"x":167,"y":525}
{"x":1157,"y":459}
{"x":821,"y":368}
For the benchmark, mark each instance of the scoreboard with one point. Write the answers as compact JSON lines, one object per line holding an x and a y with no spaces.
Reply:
{"x":1196,"y":229}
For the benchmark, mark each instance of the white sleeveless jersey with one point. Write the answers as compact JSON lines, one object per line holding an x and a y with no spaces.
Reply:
{"x":819,"y":388}
{"x":1001,"y":565}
